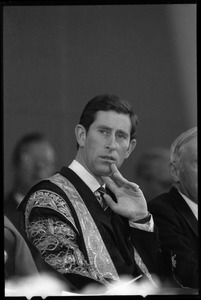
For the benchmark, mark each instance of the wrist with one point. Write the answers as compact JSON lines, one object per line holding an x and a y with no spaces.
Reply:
{"x":144,"y":220}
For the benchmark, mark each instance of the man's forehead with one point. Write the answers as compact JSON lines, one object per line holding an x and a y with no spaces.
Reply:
{"x":111,"y":118}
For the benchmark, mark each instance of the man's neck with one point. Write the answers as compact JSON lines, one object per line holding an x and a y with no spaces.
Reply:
{"x":80,"y":159}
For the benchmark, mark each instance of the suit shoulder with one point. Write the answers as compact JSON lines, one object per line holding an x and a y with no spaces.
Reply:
{"x":162,"y":204}
{"x":162,"y":199}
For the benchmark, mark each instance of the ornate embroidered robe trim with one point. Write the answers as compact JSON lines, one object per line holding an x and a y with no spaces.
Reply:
{"x":97,"y":252}
{"x":47,"y":199}
{"x":50,"y":233}
{"x":142,"y":266}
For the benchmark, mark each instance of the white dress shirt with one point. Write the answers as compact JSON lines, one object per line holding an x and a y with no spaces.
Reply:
{"x":193,"y":206}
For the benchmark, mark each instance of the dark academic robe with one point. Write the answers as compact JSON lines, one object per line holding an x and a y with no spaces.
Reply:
{"x":178,"y":232}
{"x":118,"y":237}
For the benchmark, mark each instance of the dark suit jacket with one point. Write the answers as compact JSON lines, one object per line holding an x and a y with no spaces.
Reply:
{"x":114,"y":229}
{"x":178,"y":232}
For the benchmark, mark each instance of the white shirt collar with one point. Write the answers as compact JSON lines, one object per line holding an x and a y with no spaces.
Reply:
{"x":88,"y":178}
{"x":193,"y":206}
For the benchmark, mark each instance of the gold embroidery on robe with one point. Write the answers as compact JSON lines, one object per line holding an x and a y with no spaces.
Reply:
{"x":56,"y":242}
{"x":47,"y":199}
{"x":55,"y":239}
{"x":97,"y":252}
{"x":52,"y":234}
{"x":142,"y":266}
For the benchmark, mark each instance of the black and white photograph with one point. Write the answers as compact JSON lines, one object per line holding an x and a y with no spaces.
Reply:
{"x":100,"y":180}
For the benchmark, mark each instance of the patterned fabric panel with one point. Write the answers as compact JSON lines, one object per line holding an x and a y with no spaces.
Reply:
{"x":56,"y":239}
{"x":51,"y":200}
{"x":56,"y":242}
{"x":98,"y":255}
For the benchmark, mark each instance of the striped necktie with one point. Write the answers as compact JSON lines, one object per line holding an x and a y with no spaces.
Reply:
{"x":99,"y":195}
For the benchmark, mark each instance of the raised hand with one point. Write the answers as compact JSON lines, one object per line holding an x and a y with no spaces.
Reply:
{"x":131,"y":202}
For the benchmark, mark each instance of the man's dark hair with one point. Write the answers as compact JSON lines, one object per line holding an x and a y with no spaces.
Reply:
{"x":108,"y":102}
{"x":23,"y":144}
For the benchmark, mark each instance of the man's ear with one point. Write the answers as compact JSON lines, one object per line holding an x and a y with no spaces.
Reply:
{"x":131,"y":147}
{"x":80,"y":133}
{"x":174,"y":172}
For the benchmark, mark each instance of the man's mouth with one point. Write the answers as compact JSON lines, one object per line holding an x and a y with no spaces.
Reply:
{"x":107,"y":158}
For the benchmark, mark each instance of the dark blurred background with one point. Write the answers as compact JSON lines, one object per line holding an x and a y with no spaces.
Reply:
{"x":56,"y":58}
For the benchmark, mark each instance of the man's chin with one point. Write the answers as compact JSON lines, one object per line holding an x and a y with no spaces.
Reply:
{"x":106,"y":171}
{"x":109,"y":173}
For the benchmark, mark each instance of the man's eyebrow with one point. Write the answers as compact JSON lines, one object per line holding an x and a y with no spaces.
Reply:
{"x":123,"y":132}
{"x":104,"y":127}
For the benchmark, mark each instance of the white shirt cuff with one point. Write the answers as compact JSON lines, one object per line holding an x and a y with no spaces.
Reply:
{"x":148,"y":226}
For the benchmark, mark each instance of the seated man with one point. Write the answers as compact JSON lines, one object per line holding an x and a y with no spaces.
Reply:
{"x":88,"y":220}
{"x":176,"y":212}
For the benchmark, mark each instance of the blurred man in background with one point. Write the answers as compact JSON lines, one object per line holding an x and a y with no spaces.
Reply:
{"x":152,"y":172}
{"x":176,"y":212}
{"x":33,"y":159}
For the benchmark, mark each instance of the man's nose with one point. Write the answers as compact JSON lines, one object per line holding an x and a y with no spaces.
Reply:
{"x":111,"y":142}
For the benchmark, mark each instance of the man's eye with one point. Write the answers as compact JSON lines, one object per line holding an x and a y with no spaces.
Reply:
{"x":121,"y":136}
{"x":103,"y":131}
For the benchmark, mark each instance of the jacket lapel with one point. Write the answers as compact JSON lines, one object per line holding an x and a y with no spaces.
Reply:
{"x":183,"y":209}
